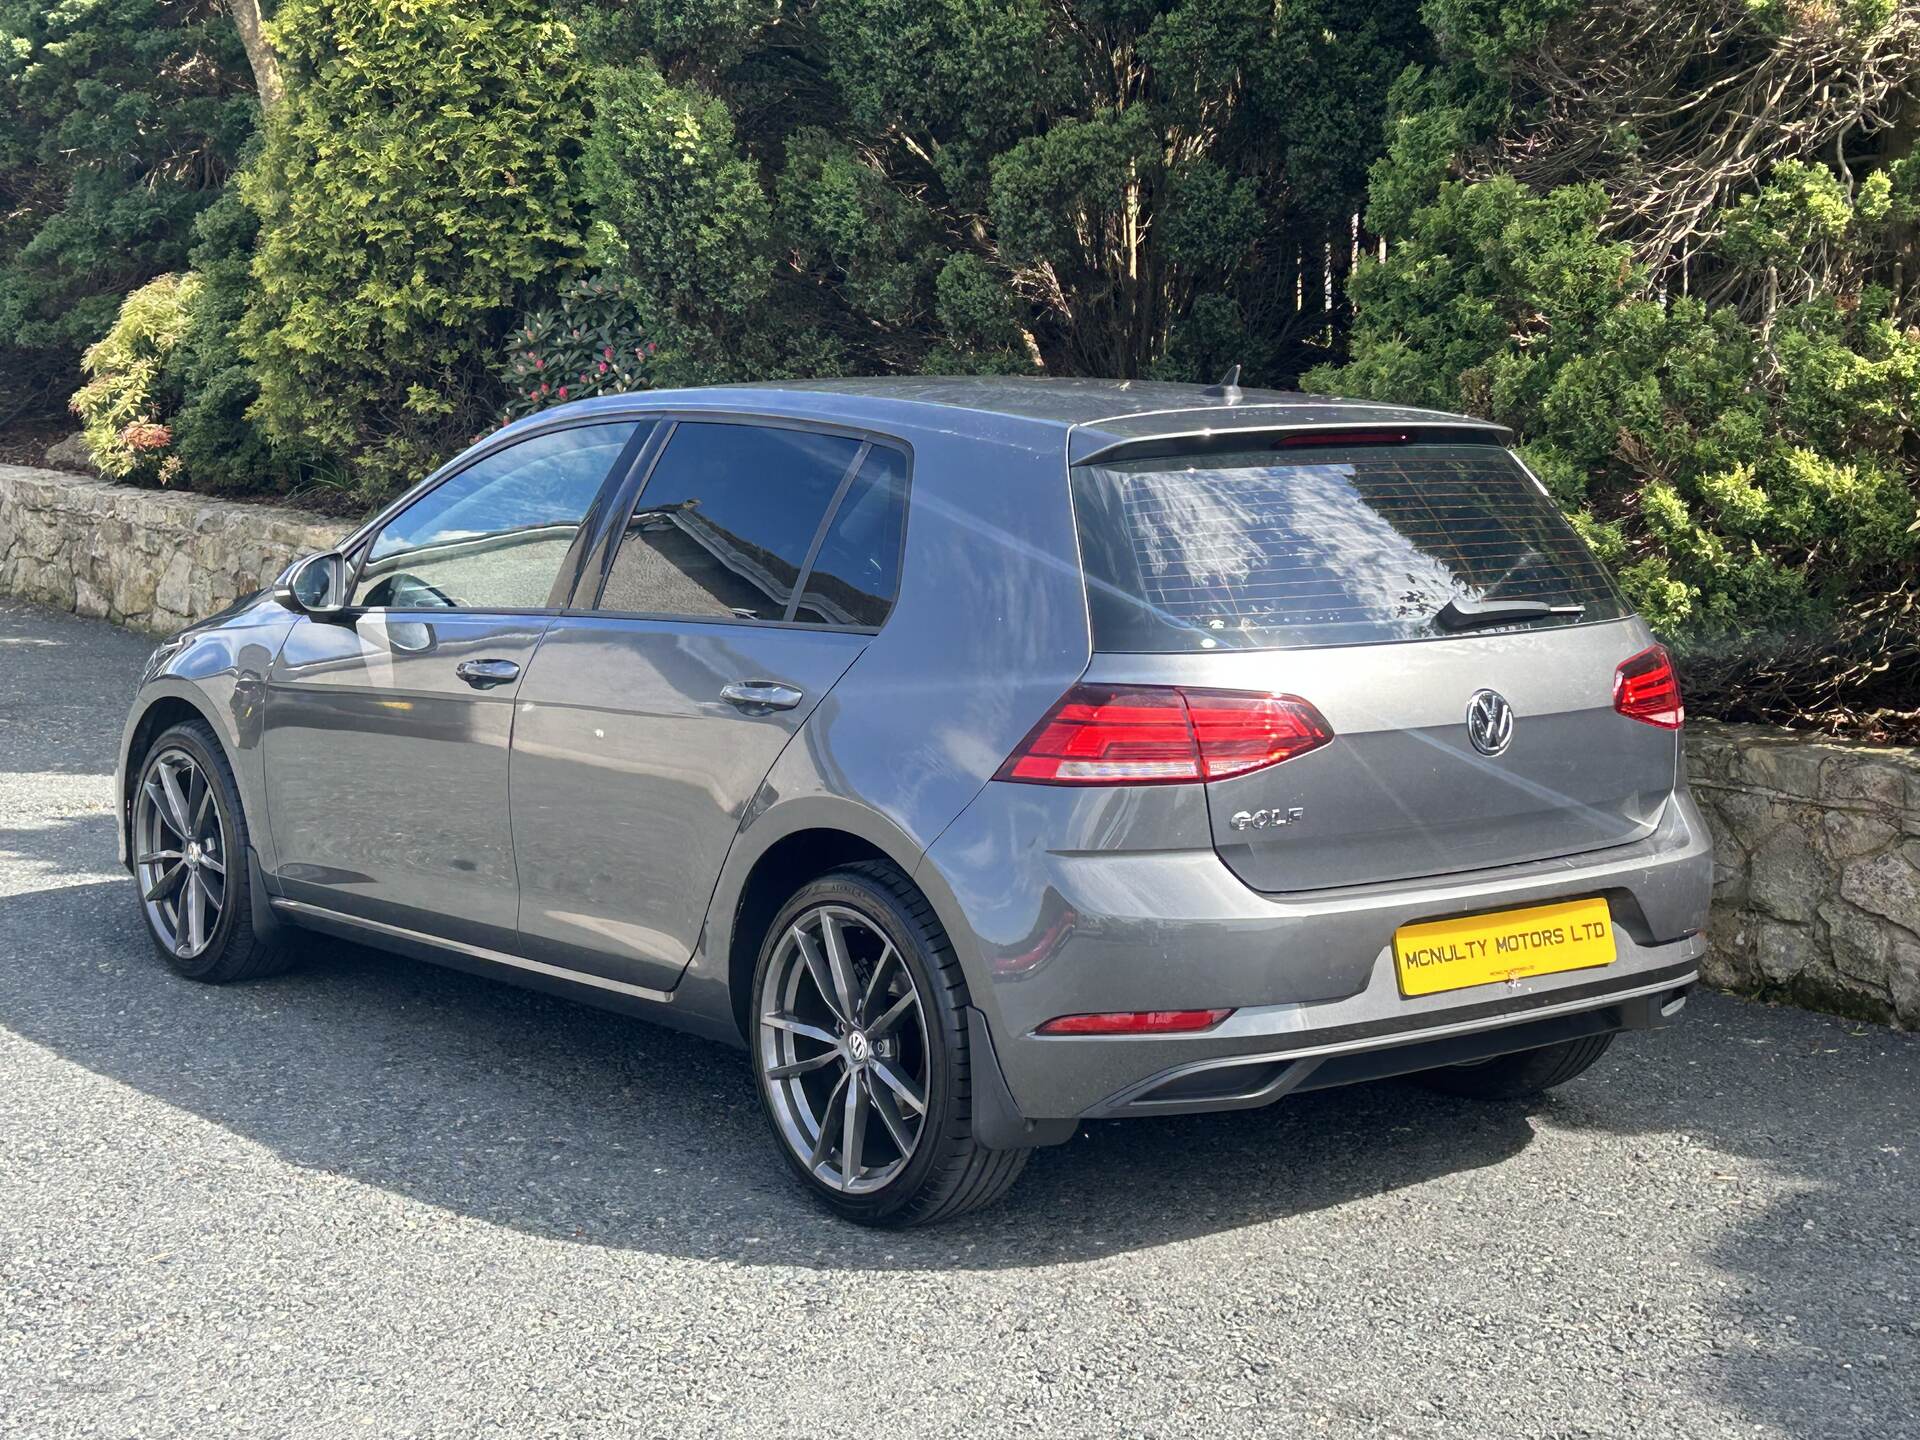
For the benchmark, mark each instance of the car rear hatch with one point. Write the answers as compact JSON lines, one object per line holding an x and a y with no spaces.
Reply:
{"x":1392,"y":582}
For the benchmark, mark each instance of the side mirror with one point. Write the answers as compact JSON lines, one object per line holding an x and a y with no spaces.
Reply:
{"x":315,"y":587}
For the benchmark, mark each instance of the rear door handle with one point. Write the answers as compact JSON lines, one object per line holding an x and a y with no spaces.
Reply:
{"x":761,"y":695}
{"x":485,"y":674}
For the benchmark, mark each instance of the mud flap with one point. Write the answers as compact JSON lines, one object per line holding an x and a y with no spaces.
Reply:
{"x":997,"y":1121}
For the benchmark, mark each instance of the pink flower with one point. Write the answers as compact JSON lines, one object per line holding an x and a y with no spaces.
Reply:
{"x":608,"y":352}
{"x":603,"y":365}
{"x":562,"y":392}
{"x":544,"y":387}
{"x":539,"y":364}
{"x":650,"y":347}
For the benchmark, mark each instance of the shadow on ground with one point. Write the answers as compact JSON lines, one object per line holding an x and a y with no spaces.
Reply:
{"x":526,"y":1110}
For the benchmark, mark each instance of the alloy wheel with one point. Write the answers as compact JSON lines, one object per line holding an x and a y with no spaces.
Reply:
{"x":843,"y":1048}
{"x":180,"y":853}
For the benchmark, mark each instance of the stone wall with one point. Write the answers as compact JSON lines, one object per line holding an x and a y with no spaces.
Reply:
{"x":1817,"y":898}
{"x":150,"y":559}
{"x":1817,"y":858}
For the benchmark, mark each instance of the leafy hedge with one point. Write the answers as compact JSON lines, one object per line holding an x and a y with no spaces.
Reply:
{"x":414,"y":192}
{"x":1676,"y":247}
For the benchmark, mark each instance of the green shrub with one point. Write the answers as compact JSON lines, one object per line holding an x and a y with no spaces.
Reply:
{"x":220,"y":447}
{"x":414,"y":193}
{"x":124,"y":404}
{"x":120,"y":120}
{"x":593,"y":342}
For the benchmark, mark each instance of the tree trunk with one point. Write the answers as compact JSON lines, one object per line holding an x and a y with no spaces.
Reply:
{"x":266,"y":69}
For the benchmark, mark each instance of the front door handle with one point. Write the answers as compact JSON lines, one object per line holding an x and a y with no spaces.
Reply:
{"x":485,"y":674}
{"x":760,"y":695}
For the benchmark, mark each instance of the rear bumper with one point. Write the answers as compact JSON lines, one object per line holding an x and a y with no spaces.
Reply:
{"x":1311,"y":977}
{"x":1346,"y":1054}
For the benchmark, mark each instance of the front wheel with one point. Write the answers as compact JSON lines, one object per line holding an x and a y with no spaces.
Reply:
{"x":860,"y":1049}
{"x":1520,"y":1075}
{"x":190,"y":848}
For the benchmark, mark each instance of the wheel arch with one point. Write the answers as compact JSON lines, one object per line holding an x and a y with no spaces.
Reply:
{"x":779,"y":851}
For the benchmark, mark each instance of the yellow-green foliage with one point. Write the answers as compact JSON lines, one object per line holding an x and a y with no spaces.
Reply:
{"x":121,"y":405}
{"x":414,"y":190}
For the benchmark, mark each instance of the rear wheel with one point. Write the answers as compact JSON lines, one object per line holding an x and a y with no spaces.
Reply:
{"x":1524,"y":1073}
{"x":860,"y":1049}
{"x":190,"y":848}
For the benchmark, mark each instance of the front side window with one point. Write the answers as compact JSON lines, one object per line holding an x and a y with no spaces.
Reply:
{"x":726,"y":522}
{"x":1271,"y":549}
{"x":495,"y":536}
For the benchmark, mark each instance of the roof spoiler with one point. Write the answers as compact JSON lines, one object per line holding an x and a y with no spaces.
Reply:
{"x":1248,"y":433}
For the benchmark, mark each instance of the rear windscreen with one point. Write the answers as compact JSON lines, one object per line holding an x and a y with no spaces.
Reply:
{"x":1268,"y":549}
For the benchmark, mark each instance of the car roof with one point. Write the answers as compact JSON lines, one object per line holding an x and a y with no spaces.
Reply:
{"x":1096,"y":416}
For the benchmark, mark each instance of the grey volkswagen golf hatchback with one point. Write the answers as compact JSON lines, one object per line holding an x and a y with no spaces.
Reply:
{"x":981,"y":755}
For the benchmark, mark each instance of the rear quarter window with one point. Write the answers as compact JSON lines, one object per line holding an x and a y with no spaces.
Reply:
{"x":1270,"y":549}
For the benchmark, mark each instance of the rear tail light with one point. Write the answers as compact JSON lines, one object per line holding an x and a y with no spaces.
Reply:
{"x":1645,"y":687}
{"x":1163,"y":735}
{"x":1136,"y":1022}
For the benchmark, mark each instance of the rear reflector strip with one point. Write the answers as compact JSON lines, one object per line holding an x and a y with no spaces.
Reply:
{"x":1136,"y":1022}
{"x":1646,"y":688}
{"x":1163,"y":735}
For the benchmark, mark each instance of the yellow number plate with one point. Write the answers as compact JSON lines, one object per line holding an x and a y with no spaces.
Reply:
{"x":1480,"y":949}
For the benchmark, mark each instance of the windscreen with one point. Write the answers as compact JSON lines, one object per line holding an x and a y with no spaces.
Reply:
{"x":1271,"y":549}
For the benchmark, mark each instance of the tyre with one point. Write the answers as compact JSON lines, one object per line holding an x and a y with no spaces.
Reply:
{"x":1523,"y":1073}
{"x":859,"y":1047}
{"x":190,"y":848}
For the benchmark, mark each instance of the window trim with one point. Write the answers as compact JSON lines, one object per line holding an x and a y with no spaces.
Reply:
{"x":359,"y":545}
{"x":628,"y":496}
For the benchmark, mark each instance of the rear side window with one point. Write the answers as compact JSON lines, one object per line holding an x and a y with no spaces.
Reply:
{"x":857,"y":572}
{"x":726,"y":522}
{"x":1337,"y":546}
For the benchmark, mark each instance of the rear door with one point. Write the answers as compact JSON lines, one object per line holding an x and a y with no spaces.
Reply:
{"x":1327,"y":572}
{"x":750,"y":570}
{"x":386,"y":729}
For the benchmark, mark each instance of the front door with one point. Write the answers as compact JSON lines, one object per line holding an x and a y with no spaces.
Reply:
{"x":753,"y":568}
{"x":388,"y":730}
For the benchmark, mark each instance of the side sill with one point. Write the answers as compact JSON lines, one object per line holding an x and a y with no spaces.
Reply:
{"x":299,"y":910}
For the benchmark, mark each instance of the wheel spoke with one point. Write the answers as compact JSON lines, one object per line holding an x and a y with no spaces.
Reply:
{"x":853,"y":1133}
{"x":155,"y":857}
{"x":167,"y":882}
{"x":796,"y":1026}
{"x":157,"y":798}
{"x":205,"y":787}
{"x":890,"y":1116}
{"x":823,"y":978}
{"x":887,"y":957}
{"x":900,"y":1086}
{"x":823,"y":1142}
{"x":211,"y":861}
{"x":194,"y":908}
{"x":843,"y":981}
{"x":884,"y":1025}
{"x":803,"y":1067}
{"x":176,"y":803}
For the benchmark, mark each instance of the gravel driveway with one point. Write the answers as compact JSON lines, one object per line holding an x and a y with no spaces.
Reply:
{"x":375,"y":1198}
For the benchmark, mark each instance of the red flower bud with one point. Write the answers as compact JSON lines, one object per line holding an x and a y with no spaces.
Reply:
{"x":563,"y":392}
